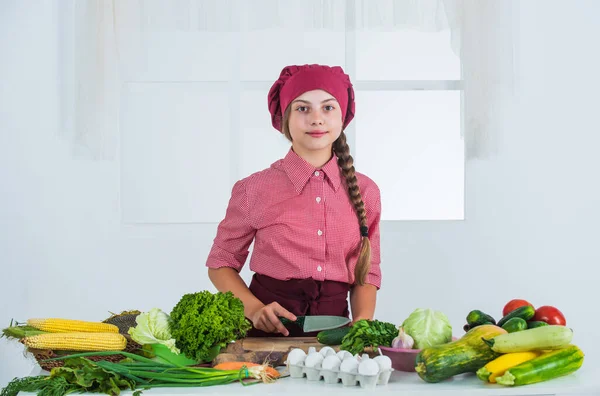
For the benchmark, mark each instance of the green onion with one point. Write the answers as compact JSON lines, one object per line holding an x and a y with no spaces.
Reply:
{"x":147,"y":373}
{"x":109,"y":353}
{"x":152,"y":375}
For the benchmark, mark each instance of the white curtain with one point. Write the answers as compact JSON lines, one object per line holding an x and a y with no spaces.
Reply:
{"x":482,"y":33}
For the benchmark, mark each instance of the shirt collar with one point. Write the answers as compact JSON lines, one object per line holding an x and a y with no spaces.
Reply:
{"x":299,"y":171}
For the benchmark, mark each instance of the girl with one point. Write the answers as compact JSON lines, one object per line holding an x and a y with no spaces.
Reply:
{"x":313,"y":219}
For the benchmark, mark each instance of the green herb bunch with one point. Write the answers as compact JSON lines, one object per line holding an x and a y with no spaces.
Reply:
{"x":77,"y":375}
{"x":368,"y":333}
{"x":203,"y":323}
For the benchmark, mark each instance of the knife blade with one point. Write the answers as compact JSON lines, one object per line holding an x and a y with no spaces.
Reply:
{"x":310,"y":323}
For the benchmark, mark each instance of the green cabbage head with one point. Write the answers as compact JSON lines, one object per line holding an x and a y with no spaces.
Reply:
{"x":153,"y":327}
{"x":428,"y":328}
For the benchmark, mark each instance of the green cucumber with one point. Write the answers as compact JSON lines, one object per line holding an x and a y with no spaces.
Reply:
{"x":478,"y":318}
{"x":333,"y":336}
{"x":527,"y":312}
{"x":532,"y":324}
{"x":515,"y":324}
{"x":544,"y":367}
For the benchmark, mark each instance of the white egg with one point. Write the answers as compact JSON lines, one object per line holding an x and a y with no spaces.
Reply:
{"x":326,"y":351}
{"x":368,"y":367}
{"x":313,"y":360}
{"x":384,"y":362}
{"x":331,"y":362}
{"x":296,"y":356}
{"x":343,"y":355}
{"x":349,"y":365}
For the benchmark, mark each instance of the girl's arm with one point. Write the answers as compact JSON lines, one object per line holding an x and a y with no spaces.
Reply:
{"x":263,"y":317}
{"x":227,"y":257}
{"x":362,"y":301}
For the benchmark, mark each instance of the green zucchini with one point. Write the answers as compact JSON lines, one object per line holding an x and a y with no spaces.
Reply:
{"x":544,"y":367}
{"x":467,"y":354}
{"x":537,"y":339}
{"x":515,"y":324}
{"x":333,"y":336}
{"x":532,"y":324}
{"x":478,"y":318}
{"x":527,"y":312}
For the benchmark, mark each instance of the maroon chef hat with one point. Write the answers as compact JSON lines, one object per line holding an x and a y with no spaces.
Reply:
{"x":295,"y":80}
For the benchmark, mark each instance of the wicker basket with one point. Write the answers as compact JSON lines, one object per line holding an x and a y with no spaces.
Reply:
{"x":41,"y":355}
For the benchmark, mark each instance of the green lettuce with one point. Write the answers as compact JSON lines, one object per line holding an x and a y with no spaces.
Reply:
{"x":428,"y":328}
{"x":203,"y":323}
{"x":153,"y":327}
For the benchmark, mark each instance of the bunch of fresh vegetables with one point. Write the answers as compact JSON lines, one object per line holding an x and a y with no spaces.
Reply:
{"x":202,"y":323}
{"x":525,"y":346}
{"x":172,"y":346}
{"x":368,"y":333}
{"x":517,"y":315}
{"x":532,"y":355}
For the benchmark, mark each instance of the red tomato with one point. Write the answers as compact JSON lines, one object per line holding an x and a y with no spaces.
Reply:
{"x":550,"y":315}
{"x":514,"y":304}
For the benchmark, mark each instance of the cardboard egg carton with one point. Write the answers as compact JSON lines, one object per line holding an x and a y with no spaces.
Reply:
{"x":334,"y":376}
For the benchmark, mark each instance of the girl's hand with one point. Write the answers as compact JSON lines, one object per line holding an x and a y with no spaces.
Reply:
{"x":266,"y":318}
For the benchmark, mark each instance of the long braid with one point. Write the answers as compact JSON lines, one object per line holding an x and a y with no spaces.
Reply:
{"x":346,"y":163}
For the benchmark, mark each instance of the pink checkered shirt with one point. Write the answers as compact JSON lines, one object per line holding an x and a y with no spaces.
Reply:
{"x":302,"y":222}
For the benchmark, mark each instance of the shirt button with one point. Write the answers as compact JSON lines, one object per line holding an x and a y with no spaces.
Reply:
{"x":318,"y":199}
{"x":316,"y":173}
{"x":319,"y":268}
{"x":319,"y":233}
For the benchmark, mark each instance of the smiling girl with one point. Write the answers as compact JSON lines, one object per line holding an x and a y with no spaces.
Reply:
{"x":314,"y":220}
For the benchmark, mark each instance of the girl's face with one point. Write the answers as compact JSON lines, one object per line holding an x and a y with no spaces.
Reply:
{"x":315,"y":122}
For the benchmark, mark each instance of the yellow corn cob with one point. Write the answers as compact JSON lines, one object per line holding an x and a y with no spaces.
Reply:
{"x":498,"y":366}
{"x":54,"y":325}
{"x":77,"y":341}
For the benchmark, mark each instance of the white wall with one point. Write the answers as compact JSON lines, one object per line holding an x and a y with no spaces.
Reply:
{"x":531,"y":210}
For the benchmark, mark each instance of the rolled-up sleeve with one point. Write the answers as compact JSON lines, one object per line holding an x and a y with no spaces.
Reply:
{"x":234,"y":233}
{"x":374,"y":217}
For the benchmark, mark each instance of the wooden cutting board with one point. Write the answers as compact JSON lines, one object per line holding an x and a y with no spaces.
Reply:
{"x":261,"y":349}
{"x":274,"y":344}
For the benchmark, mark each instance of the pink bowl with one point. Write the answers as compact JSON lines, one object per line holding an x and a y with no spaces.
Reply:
{"x":402,"y":359}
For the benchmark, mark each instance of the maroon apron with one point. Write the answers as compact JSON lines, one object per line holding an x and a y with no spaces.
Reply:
{"x":300,"y":297}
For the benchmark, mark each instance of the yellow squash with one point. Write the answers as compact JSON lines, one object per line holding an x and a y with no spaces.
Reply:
{"x":498,"y":366}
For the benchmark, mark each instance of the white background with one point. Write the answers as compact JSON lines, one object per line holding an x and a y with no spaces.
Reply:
{"x":531,"y":211}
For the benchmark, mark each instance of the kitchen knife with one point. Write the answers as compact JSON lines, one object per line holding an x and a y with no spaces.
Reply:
{"x":312,"y":323}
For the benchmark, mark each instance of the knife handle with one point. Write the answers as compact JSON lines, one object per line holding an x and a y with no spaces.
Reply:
{"x":298,"y":322}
